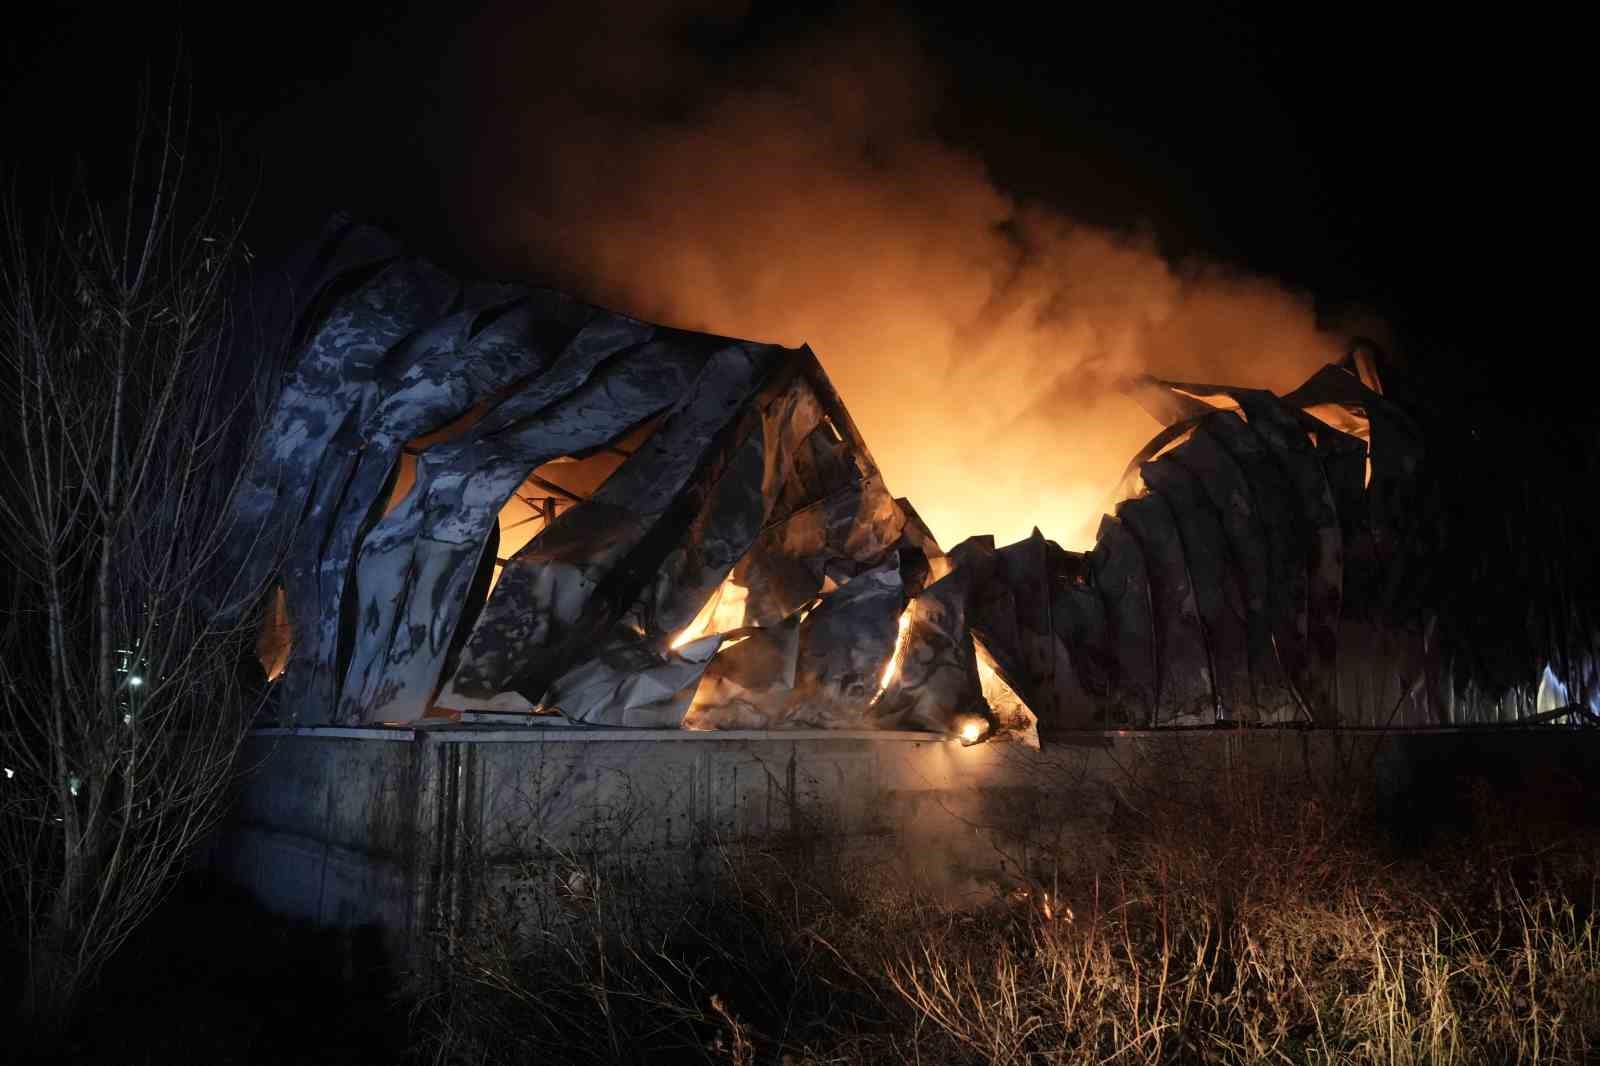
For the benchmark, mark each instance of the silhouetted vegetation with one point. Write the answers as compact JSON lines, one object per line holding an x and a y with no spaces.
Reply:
{"x":1254,"y":927}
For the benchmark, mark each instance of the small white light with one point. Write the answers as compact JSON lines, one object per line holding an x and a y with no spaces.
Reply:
{"x":73,"y":784}
{"x":127,"y":719}
{"x":135,"y":681}
{"x":10,"y":773}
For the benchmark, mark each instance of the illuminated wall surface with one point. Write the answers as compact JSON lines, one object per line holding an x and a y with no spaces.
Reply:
{"x":400,"y":828}
{"x":489,"y":498}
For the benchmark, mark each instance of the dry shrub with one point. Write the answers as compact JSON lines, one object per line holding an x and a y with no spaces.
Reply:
{"x":1243,"y":925}
{"x":1248,"y":925}
{"x":591,"y":959}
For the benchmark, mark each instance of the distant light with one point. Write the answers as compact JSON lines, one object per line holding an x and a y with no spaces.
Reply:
{"x":135,"y":681}
{"x":73,"y":784}
{"x":10,"y":773}
{"x":127,"y":719}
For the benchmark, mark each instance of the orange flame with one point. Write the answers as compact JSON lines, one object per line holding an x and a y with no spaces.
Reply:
{"x":891,"y":669}
{"x":722,"y":612}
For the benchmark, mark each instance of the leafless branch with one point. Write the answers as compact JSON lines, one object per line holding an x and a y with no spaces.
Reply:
{"x":122,"y":701}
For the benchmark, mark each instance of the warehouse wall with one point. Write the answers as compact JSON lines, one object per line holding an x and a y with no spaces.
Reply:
{"x":401,"y":828}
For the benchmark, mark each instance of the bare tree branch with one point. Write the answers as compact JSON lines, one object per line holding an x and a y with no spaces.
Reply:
{"x":123,"y":701}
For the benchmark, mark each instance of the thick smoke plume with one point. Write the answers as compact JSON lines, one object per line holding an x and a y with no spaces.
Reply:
{"x":790,"y":189}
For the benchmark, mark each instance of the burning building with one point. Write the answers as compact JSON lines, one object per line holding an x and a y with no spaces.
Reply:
{"x":488,"y":499}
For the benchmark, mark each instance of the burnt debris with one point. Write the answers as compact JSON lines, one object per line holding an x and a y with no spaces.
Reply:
{"x":493,"y":498}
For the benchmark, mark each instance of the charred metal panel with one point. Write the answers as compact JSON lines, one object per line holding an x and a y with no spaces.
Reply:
{"x":311,"y":468}
{"x":1344,"y":462}
{"x":417,"y":563}
{"x":750,"y":682}
{"x":844,"y":646}
{"x":1318,"y":524}
{"x":834,"y":539}
{"x":312,"y":403}
{"x":1396,"y":453}
{"x":632,"y":684}
{"x":1284,"y":538}
{"x":434,"y":377}
{"x":994,"y":620}
{"x":1085,"y":636}
{"x":1213,"y":581}
{"x":938,"y":671}
{"x":1124,"y":586}
{"x":1225,"y":485}
{"x":1184,"y":691}
{"x":1026,"y":568}
{"x":567,"y":587}
{"x":735,"y":510}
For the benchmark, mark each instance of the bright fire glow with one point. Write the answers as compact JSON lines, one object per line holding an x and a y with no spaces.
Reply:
{"x":1007,"y":709}
{"x":697,"y":627}
{"x":722,"y":612}
{"x":274,"y":641}
{"x":892,"y":667}
{"x":1220,"y":400}
{"x":971,"y":729}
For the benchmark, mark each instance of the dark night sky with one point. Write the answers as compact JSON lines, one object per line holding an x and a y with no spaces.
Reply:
{"x":1397,"y":162}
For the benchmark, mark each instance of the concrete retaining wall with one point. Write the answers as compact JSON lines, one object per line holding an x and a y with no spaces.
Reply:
{"x":399,"y":828}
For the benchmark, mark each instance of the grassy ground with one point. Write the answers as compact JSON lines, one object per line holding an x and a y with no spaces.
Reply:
{"x":1249,"y":927}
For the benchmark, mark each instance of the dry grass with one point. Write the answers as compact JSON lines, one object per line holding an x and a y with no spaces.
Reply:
{"x":1249,"y":929}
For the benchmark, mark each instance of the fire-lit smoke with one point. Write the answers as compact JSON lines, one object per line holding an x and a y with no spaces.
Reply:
{"x":794,"y":191}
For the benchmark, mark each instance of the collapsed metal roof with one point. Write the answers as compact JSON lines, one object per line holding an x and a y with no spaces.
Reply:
{"x":1246,"y":552}
{"x":497,"y":498}
{"x":741,"y":479}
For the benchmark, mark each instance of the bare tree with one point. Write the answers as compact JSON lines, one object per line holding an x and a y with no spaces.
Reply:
{"x":123,"y":702}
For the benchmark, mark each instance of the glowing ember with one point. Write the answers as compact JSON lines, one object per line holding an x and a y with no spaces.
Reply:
{"x":275,"y":640}
{"x":892,"y":667}
{"x":970,"y":729}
